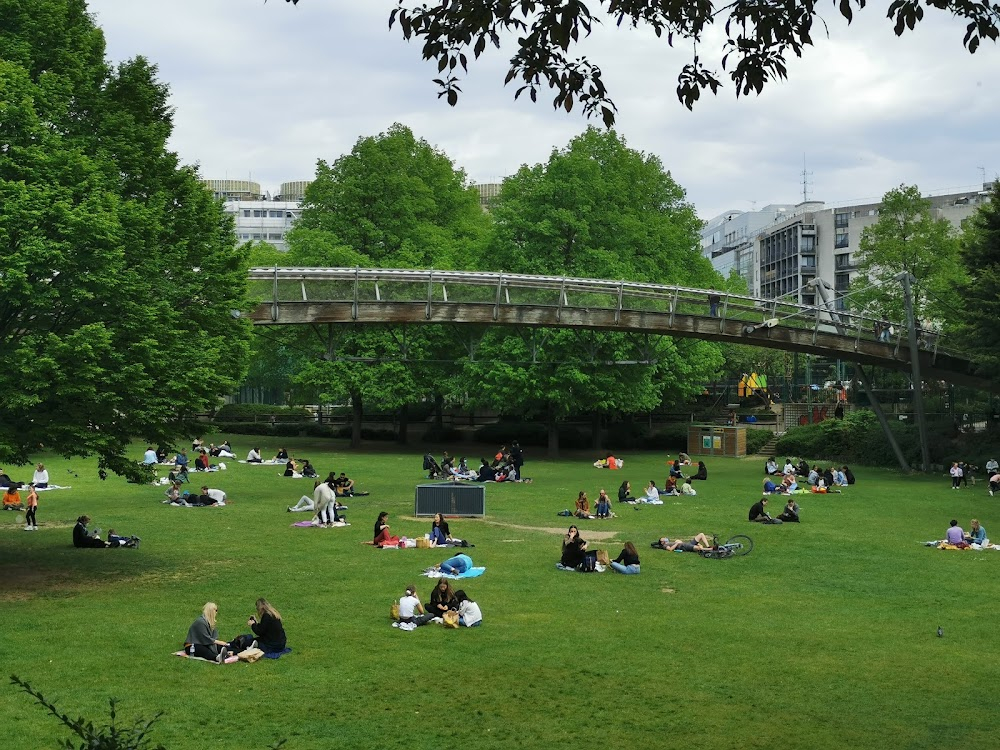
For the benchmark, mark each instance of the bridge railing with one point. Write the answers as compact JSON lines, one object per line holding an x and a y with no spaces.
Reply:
{"x":359,"y":285}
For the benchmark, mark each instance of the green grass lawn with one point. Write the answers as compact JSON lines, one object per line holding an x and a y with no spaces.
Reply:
{"x":825,"y":636}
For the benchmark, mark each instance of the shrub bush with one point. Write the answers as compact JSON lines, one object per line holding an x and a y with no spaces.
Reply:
{"x":757,"y":439}
{"x":672,"y":437}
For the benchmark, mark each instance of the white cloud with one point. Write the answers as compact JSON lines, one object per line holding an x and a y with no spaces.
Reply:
{"x":267,"y":89}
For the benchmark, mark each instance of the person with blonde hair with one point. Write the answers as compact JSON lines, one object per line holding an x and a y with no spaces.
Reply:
{"x":268,"y":630}
{"x":203,"y":636}
{"x":41,"y":477}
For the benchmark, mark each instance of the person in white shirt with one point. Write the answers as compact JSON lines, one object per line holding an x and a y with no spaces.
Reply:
{"x":411,"y":610}
{"x":149,"y":457}
{"x":41,"y":477}
{"x":253,"y":457}
{"x":469,"y":614}
{"x":788,"y":468}
{"x":218,"y":495}
{"x":652,"y":494}
{"x":687,"y":489}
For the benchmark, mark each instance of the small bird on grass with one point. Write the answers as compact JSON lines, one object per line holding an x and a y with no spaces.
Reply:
{"x":940,"y":632}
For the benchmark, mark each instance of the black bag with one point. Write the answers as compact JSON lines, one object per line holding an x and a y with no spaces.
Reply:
{"x":589,"y":564}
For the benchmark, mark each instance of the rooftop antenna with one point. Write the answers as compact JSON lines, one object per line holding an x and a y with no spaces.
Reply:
{"x":805,"y":180}
{"x":983,"y":170}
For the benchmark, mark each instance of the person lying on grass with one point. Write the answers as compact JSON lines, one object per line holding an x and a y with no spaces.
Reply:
{"x":697,"y":543}
{"x":455,"y":565}
{"x":116,"y":540}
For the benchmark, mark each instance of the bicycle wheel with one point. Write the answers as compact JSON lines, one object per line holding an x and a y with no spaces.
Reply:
{"x":745,"y":545}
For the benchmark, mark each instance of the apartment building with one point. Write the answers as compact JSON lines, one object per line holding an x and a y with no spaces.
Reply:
{"x":257,"y":215}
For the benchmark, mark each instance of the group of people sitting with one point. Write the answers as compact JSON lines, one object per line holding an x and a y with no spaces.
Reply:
{"x":652,"y":493}
{"x":267,"y":634}
{"x":439,"y":536}
{"x":814,"y":479}
{"x":602,"y":508}
{"x":955,"y":536}
{"x":506,"y":467}
{"x":85,"y":538}
{"x":609,"y":462}
{"x":448,"y":607}
{"x":789,"y":514}
{"x":577,"y":556}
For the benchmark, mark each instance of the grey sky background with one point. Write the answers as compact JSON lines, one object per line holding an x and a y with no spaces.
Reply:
{"x":263,"y":90}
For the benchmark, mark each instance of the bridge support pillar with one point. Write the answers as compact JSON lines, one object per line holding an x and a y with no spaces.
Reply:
{"x":877,"y":408}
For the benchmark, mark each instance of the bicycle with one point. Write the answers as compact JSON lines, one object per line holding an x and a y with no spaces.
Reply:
{"x":737,"y":546}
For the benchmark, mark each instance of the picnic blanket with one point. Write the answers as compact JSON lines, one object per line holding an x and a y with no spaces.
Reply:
{"x":277,"y":654}
{"x":231,"y":659}
{"x":52,"y":487}
{"x":470,"y":573}
{"x":943,"y":544}
{"x":311,"y":525}
{"x":265,"y":462}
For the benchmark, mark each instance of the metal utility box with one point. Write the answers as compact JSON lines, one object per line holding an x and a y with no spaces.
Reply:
{"x":450,"y":499}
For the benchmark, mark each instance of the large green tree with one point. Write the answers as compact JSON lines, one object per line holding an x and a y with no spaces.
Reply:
{"x":757,"y":39}
{"x":978,"y":295}
{"x":394,"y":201}
{"x":907,"y":239}
{"x":595,"y":209}
{"x":120,"y":270}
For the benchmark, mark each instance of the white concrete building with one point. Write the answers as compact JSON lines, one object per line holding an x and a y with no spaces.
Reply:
{"x":781,"y":247}
{"x":258,"y":216}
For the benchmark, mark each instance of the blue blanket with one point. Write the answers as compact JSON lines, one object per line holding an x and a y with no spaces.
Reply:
{"x":277,"y":654}
{"x":470,"y":573}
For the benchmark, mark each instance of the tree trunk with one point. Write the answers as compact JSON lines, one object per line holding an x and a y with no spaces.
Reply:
{"x":553,"y":426}
{"x":404,"y":424}
{"x":439,"y":413}
{"x":595,"y":428}
{"x":357,"y":413}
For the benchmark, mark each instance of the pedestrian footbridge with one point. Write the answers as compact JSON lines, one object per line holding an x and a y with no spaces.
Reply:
{"x":353,"y":296}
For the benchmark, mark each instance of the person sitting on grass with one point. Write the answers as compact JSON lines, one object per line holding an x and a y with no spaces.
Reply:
{"x":582,"y":506}
{"x":84,"y":538}
{"x":344,"y":486}
{"x":770,"y":488}
{"x":469,"y":614}
{"x":625,"y":492}
{"x":268,"y":630}
{"x":789,"y":483}
{"x":12,"y":499}
{"x":684,"y":458}
{"x":114,"y":540}
{"x":410,"y":608}
{"x":670,"y":487}
{"x":758,"y":514}
{"x":440,"y":531}
{"x":203,"y":637}
{"x":652,"y":494}
{"x":40,"y":479}
{"x":790,"y":513}
{"x":308,"y":470}
{"x":698,"y":543}
{"x":253,"y":457}
{"x":281,"y":455}
{"x":442,"y":599}
{"x":702,"y":472}
{"x":382,"y":536}
{"x":955,"y":534}
{"x":675,"y":470}
{"x":687,"y":488}
{"x":627,"y":562}
{"x":994,"y":483}
{"x":291,"y":468}
{"x":771,"y":467}
{"x":574,"y":549}
{"x":977,"y":534}
{"x":486,"y":472}
{"x":603,"y":505}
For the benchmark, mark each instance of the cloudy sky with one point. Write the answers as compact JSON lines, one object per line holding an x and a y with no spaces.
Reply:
{"x":263,"y":90}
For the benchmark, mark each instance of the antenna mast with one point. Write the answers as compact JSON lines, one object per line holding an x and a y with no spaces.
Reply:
{"x":805,"y":180}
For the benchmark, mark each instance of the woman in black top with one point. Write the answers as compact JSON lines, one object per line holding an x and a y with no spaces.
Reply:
{"x":282,"y":455}
{"x":702,"y":471}
{"x":625,"y":492}
{"x":848,"y":474}
{"x":627,"y":561}
{"x":83,"y":538}
{"x":440,"y":533}
{"x":675,"y":470}
{"x":442,"y":599}
{"x":574,"y":549}
{"x":308,"y":470}
{"x":290,"y":468}
{"x":267,"y":628}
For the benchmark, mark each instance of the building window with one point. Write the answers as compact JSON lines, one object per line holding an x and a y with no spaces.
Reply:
{"x":809,"y":261}
{"x":842,"y":282}
{"x":843,"y":239}
{"x":873,"y":212}
{"x":276,"y":236}
{"x":256,"y":236}
{"x":808,"y":244}
{"x":843,"y":260}
{"x":277,"y":214}
{"x":246,"y":212}
{"x":257,"y":214}
{"x":841,"y":220}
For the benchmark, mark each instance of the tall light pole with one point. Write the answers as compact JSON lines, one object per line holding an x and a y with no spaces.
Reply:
{"x":918,"y":391}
